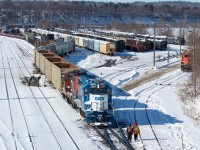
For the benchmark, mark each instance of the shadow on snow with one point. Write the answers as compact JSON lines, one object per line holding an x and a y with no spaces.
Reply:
{"x":125,"y":111}
{"x":124,"y":107}
{"x":78,"y":55}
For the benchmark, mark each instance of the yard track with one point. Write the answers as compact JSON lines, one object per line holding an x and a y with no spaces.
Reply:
{"x":10,"y":76}
{"x":8,"y":98}
{"x":143,"y":97}
{"x":25,"y":71}
{"x":113,"y":139}
{"x":121,"y":72}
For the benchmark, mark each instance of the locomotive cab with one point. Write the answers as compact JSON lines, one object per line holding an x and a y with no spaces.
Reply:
{"x":186,"y":61}
{"x":98,"y":105}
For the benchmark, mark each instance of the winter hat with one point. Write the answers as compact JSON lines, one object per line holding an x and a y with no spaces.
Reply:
{"x":135,"y":124}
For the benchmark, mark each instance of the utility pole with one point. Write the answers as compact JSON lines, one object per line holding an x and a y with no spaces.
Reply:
{"x":180,"y":41}
{"x":154,"y":47}
{"x":168,"y":56}
{"x":194,"y":65}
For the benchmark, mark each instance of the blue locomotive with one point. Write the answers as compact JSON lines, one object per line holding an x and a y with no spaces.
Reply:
{"x":91,"y":95}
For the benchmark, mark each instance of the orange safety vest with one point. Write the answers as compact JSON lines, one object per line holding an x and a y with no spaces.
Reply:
{"x":136,"y":130}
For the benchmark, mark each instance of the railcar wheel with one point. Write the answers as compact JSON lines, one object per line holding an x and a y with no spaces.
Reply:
{"x":63,"y":95}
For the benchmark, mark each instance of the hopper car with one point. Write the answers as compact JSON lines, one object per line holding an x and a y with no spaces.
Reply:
{"x":38,"y":40}
{"x":87,"y":93}
{"x":59,"y":48}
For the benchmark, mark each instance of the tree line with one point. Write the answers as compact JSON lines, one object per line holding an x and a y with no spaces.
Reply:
{"x":75,"y":14}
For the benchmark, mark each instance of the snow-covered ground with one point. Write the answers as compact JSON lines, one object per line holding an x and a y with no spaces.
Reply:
{"x":38,"y":118}
{"x":32,"y":117}
{"x":159,"y":97}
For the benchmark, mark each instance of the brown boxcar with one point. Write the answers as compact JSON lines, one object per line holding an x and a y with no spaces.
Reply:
{"x":135,"y":45}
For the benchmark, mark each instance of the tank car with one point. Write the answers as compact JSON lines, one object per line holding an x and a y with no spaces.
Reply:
{"x":91,"y":95}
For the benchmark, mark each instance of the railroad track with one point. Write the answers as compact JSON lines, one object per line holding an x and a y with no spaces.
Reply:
{"x":139,"y":110}
{"x":157,"y":88}
{"x":25,"y":71}
{"x":105,"y":137}
{"x":122,"y":139}
{"x":152,"y":89}
{"x":124,"y":142}
{"x":120,"y":72}
{"x":113,"y":139}
{"x":12,"y":85}
{"x":24,"y":51}
{"x":8,"y":98}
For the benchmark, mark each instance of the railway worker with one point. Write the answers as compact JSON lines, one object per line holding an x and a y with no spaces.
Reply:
{"x":129,"y":132}
{"x":136,"y":131}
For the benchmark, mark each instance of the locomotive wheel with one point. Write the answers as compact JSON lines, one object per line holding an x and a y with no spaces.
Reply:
{"x":82,"y":113}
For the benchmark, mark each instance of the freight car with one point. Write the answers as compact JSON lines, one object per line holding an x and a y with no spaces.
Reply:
{"x":100,"y":46}
{"x":37,"y":40}
{"x":160,"y":45}
{"x":60,"y":48}
{"x":138,"y":45}
{"x":87,"y":93}
{"x":104,"y":47}
{"x":120,"y":44}
{"x":172,"y":40}
{"x":178,"y":41}
{"x":91,"y":95}
{"x":135,"y":46}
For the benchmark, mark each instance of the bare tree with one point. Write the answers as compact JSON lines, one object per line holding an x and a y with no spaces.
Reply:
{"x":192,"y":88}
